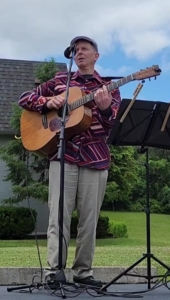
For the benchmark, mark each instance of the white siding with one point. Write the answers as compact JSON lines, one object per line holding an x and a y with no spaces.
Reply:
{"x":6,"y":192}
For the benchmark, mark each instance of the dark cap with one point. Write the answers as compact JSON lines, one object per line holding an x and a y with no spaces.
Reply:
{"x":78,"y":38}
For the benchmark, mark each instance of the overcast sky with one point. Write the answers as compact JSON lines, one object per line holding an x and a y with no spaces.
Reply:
{"x":138,"y":30}
{"x":36,"y":28}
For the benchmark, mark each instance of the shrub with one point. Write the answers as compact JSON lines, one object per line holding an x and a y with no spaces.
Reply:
{"x":102,"y":227}
{"x":117,"y":229}
{"x":105,"y":228}
{"x":16,"y":222}
{"x":136,"y":207}
{"x":155,"y":206}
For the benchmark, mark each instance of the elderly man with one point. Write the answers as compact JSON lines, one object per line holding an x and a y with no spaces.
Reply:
{"x":87,"y":159}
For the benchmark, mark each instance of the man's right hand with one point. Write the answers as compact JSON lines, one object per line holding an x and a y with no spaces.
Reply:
{"x":55,"y":102}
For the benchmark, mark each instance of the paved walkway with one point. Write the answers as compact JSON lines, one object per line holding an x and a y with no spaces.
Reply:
{"x":161,"y":293}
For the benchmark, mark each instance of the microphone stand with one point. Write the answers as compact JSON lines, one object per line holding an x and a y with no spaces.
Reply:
{"x":60,"y":276}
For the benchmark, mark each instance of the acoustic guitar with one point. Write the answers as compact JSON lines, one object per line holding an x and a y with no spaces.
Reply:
{"x":40,"y":133}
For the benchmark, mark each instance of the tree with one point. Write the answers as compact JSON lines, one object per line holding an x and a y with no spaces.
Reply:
{"x":26,"y":171}
{"x":159,"y":181}
{"x":46,"y":70}
{"x":121,"y":178}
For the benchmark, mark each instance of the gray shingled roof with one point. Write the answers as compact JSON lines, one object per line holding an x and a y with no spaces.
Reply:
{"x":16,"y":76}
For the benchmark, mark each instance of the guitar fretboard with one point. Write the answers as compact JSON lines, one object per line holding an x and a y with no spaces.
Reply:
{"x":113,"y":85}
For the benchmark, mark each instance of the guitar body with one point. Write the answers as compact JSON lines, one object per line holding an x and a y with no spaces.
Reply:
{"x":44,"y":142}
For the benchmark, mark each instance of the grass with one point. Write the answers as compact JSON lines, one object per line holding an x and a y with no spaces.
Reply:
{"x":136,"y":224}
{"x":109,"y":252}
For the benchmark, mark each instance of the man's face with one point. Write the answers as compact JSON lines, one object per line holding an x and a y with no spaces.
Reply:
{"x":85,"y":55}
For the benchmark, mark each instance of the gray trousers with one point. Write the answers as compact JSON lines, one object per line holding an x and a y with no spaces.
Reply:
{"x":84,"y":190}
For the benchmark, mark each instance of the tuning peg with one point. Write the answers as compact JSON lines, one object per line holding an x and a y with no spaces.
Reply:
{"x":155,"y":77}
{"x":149,"y":79}
{"x":143,"y":81}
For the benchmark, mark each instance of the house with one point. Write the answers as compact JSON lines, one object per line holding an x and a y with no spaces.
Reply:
{"x":17,"y":76}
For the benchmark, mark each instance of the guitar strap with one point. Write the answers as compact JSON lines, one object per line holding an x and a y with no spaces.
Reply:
{"x":108,"y":78}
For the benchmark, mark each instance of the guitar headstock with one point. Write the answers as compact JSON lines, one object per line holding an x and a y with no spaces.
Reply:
{"x":153,"y":71}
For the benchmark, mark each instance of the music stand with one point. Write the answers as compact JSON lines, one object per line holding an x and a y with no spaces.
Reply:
{"x":147,"y":124}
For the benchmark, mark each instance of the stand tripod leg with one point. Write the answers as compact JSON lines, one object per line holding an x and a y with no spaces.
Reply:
{"x":31,"y":286}
{"x":160,"y":262}
{"x":62,"y":291}
{"x":122,"y":274}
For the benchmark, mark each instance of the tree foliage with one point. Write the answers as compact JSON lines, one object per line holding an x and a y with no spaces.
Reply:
{"x":46,"y":70}
{"x":122,"y":176}
{"x":127,"y":182}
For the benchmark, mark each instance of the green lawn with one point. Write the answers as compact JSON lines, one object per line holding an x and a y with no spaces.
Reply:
{"x":109,"y":252}
{"x":136,"y":224}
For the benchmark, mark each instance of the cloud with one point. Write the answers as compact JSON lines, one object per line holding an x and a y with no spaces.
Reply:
{"x":145,"y":45}
{"x":37,"y":29}
{"x":122,"y":71}
{"x":165,"y":63}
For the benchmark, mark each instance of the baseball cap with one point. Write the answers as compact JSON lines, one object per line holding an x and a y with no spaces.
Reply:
{"x":77,"y":38}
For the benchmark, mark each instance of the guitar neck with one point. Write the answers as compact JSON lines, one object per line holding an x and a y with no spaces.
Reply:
{"x":110,"y":87}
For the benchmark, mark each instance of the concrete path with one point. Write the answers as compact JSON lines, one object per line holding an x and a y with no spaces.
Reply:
{"x":161,"y":293}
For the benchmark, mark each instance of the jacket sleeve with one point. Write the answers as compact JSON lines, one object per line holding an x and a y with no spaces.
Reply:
{"x":36,"y":99}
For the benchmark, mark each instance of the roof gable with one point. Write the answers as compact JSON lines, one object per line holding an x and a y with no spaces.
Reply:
{"x":16,"y":76}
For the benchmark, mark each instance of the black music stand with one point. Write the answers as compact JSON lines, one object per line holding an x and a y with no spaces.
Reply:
{"x":145,"y":125}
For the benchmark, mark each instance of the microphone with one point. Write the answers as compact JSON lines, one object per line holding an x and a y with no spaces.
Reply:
{"x":71,"y":50}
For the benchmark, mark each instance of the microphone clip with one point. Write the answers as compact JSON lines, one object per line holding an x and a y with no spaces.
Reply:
{"x":70,"y":51}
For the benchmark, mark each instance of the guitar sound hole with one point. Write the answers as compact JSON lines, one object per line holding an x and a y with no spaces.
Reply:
{"x":56,"y":123}
{"x":60,"y":112}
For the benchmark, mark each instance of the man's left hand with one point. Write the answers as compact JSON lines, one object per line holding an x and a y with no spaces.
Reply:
{"x":102,"y":98}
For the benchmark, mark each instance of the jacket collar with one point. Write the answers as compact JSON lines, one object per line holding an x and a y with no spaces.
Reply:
{"x":95,"y":75}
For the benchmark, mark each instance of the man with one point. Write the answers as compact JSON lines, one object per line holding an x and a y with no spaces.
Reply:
{"x":87,"y":159}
